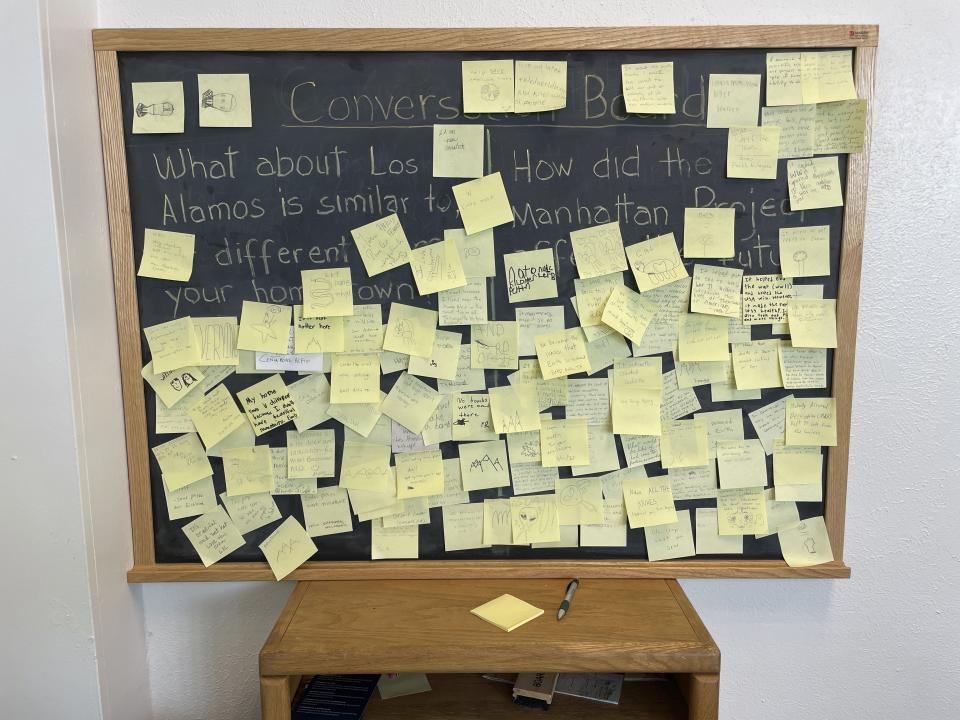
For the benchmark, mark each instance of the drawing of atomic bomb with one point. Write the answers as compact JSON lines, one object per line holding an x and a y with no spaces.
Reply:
{"x":489,"y":92}
{"x":224,"y":102}
{"x":160,"y":109}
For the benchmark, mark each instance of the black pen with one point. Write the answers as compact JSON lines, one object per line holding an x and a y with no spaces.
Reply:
{"x":565,"y":605}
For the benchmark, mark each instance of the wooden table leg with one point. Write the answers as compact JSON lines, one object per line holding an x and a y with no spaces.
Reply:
{"x":702,"y":691}
{"x":275,"y":698}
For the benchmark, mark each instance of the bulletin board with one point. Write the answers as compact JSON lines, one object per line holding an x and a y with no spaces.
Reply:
{"x":364,"y":102}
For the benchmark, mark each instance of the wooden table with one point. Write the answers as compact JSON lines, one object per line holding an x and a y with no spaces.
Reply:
{"x":371,"y":626}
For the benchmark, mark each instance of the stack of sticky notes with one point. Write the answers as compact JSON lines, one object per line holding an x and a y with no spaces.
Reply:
{"x":507,"y":612}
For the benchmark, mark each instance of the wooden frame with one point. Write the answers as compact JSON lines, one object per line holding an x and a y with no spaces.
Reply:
{"x":107,"y":43}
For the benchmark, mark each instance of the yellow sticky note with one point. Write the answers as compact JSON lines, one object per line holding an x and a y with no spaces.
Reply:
{"x":813,"y":322}
{"x":534,"y":519}
{"x":636,"y":396}
{"x":806,"y":543}
{"x":580,"y":500}
{"x":382,"y":244}
{"x":213,"y":536}
{"x":317,"y":334}
{"x":598,"y":250}
{"x":463,"y":527}
{"x":395,"y":542}
{"x":541,"y":85}
{"x":410,"y":330}
{"x":191,"y":500}
{"x":224,"y":100}
{"x":173,"y":385}
{"x":702,"y":337}
{"x":327,"y":293}
{"x":827,"y":76}
{"x":592,"y":295}
{"x":497,"y":522}
{"x":471,"y":417}
{"x":649,"y":501}
{"x":716,"y":290}
{"x":709,"y":540}
{"x":311,"y":454}
{"x":248,"y":470}
{"x":173,"y":345}
{"x":419,"y":474}
{"x":683,"y":443}
{"x":564,"y":442}
{"x":530,"y":275}
{"x":840,"y":127}
{"x":410,"y":402}
{"x":805,"y":251}
{"x":797,"y":465}
{"x":366,"y":466}
{"x":437,"y":267}
{"x":752,"y":152}
{"x":708,"y":232}
{"x":327,"y":512}
{"x":514,"y":408}
{"x":484,"y":465}
{"x":765,"y":298}
{"x":670,"y":540}
{"x":268,"y":404}
{"x":216,"y":415}
{"x":167,"y":255}
{"x":157,"y":107}
{"x":562,"y":353}
{"x":218,"y":340}
{"x":443,"y":359}
{"x":355,"y":378}
{"x":252,"y":511}
{"x":741,"y":463}
{"x":628,"y":313}
{"x":814,"y":183}
{"x":741,"y":511}
{"x":783,"y":79}
{"x":756,"y":364}
{"x":648,"y":88}
{"x":476,"y":251}
{"x":487,"y":86}
{"x":507,"y":612}
{"x":494,"y":345}
{"x":656,"y":262}
{"x":465,"y":305}
{"x":287,"y":548}
{"x":733,"y":100}
{"x":798,"y":125}
{"x":264,"y":327}
{"x":311,"y":397}
{"x":803,"y":367}
{"x":182,"y":461}
{"x":811,"y":421}
{"x":458,"y":151}
{"x":483,"y":203}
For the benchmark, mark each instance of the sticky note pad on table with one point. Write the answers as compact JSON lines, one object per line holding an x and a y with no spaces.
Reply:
{"x":507,"y":612}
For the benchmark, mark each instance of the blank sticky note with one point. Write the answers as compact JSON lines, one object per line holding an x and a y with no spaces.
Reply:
{"x":507,"y":612}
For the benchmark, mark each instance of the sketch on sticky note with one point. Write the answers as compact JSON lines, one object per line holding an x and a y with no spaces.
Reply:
{"x":492,"y":463}
{"x":268,"y":326}
{"x":224,"y":102}
{"x":160,"y":109}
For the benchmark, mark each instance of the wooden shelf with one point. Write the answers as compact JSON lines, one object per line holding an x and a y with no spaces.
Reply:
{"x":471,"y":697}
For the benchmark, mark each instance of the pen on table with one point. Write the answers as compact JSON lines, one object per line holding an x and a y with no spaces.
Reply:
{"x":568,"y":598}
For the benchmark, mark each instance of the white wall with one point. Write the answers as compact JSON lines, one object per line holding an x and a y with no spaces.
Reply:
{"x":881,"y":645}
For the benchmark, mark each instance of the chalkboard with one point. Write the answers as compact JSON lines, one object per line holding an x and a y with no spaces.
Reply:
{"x":340,"y":139}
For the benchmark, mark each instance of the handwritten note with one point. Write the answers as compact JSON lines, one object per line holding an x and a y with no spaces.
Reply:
{"x":670,"y":540}
{"x":783,"y":79}
{"x":191,"y":500}
{"x":483,"y":203}
{"x":487,"y":86}
{"x":702,"y":337}
{"x":757,"y":364}
{"x":310,"y":454}
{"x":598,"y":250}
{"x":493,"y":345}
{"x":465,"y":305}
{"x":733,"y":100}
{"x":741,"y":463}
{"x":497,"y":522}
{"x":628,"y":313}
{"x":167,"y":255}
{"x":814,"y":183}
{"x":472,"y":419}
{"x":564,"y":442}
{"x":541,"y":85}
{"x":216,"y":415}
{"x":463,"y":527}
{"x":173,"y":345}
{"x":709,"y":539}
{"x":797,"y":465}
{"x":174,"y":385}
{"x":366,"y":466}
{"x":708,"y":232}
{"x":648,"y":88}
{"x":683,"y":443}
{"x":290,"y":360}
{"x":752,"y":152}
{"x":813,"y":322}
{"x":798,"y":127}
{"x":410,"y":402}
{"x":248,"y":470}
{"x":213,"y":536}
{"x":268,"y":404}
{"x":382,"y":244}
{"x":768,"y":422}
{"x":287,"y":548}
{"x":394,"y":543}
{"x":530,"y":275}
{"x":157,"y":107}
{"x":741,"y":511}
{"x":437,"y":267}
{"x":840,"y":127}
{"x":562,"y":353}
{"x":592,"y":295}
{"x":327,"y":512}
{"x":458,"y":151}
{"x":803,"y":368}
{"x":264,"y":327}
{"x":534,"y":321}
{"x":224,"y":100}
{"x":765,"y":298}
{"x":649,"y":501}
{"x":811,"y":421}
{"x":410,"y":330}
{"x":442,"y":362}
{"x":716,"y":290}
{"x":484,"y":465}
{"x":311,"y":398}
{"x":182,"y":461}
{"x":827,"y":76}
{"x":419,"y":474}
{"x":805,"y":251}
{"x":362,"y":331}
{"x":250,"y":512}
